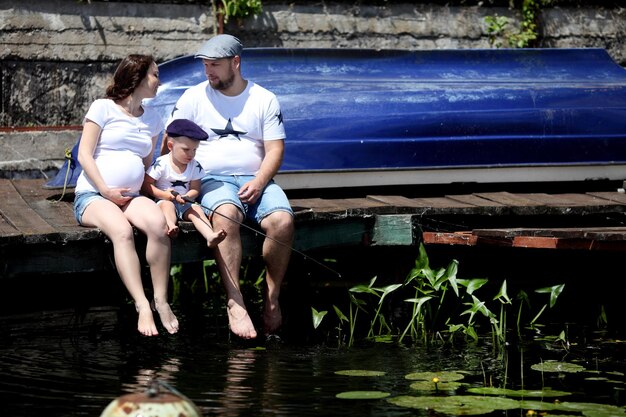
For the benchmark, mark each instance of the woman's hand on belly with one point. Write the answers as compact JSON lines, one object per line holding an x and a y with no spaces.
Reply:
{"x":117,"y":196}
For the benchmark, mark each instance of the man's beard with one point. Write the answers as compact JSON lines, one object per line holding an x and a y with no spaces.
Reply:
{"x":225,"y":84}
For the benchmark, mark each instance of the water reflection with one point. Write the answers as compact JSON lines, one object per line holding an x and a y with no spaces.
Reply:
{"x":64,"y":364}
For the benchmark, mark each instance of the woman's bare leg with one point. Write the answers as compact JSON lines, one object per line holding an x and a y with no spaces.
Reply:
{"x":144,"y":214}
{"x":109,"y":218}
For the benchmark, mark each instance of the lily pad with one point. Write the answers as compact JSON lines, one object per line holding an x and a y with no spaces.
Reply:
{"x":587,"y":409}
{"x":443,"y":376}
{"x":456,"y":405}
{"x":362,"y":395}
{"x":545,"y":393}
{"x":554,"y":366}
{"x":359,"y":372}
{"x":430,"y":386}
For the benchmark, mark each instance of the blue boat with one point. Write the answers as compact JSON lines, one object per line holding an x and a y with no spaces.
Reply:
{"x":358,"y":118}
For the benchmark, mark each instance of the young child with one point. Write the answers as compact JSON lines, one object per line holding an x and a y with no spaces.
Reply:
{"x":175,"y":178}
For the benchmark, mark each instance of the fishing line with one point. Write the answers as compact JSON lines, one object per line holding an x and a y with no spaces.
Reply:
{"x":257,"y":232}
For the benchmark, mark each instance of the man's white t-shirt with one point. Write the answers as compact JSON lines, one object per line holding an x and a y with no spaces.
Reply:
{"x":166,"y":178}
{"x":237,"y":126}
{"x":124,"y":142}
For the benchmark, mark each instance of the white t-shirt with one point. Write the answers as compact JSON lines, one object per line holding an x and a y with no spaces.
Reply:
{"x":237,"y":126}
{"x":166,"y":178}
{"x":124,"y":142}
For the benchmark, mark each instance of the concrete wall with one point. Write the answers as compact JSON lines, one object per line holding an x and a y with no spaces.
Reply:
{"x":58,"y":55}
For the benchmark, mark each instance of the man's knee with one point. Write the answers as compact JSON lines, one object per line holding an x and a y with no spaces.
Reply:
{"x":279,"y":222}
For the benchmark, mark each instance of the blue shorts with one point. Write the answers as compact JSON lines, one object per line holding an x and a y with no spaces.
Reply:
{"x":180,"y":208}
{"x":82,"y":200}
{"x":221,"y":189}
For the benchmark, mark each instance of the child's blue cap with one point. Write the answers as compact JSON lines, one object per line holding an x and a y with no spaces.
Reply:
{"x":187,"y":128}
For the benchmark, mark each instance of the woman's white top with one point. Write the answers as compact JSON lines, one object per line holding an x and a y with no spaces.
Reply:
{"x":123,"y":144}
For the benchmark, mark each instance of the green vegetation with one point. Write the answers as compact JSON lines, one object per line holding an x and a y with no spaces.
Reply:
{"x":442,"y":308}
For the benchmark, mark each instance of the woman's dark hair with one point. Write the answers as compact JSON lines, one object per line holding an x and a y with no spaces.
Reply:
{"x":128,"y":76}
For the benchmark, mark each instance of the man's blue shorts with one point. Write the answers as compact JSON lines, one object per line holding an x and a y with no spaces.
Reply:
{"x":221,"y":189}
{"x":81,"y":201}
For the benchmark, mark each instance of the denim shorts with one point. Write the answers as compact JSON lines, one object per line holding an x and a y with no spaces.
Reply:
{"x":220,"y":189}
{"x":180,"y":208}
{"x":82,"y":200}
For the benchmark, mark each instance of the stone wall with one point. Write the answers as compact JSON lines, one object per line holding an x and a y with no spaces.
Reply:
{"x":58,"y":55}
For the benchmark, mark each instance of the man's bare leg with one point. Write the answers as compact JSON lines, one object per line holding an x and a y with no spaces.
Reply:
{"x":228,"y":255}
{"x":279,"y":227}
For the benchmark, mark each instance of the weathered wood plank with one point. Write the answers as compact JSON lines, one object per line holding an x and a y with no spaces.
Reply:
{"x":58,"y":214}
{"x":394,"y":230}
{"x":446,"y":238}
{"x":508,"y":199}
{"x":19,"y":214}
{"x":614,"y":197}
{"x":475,"y":200}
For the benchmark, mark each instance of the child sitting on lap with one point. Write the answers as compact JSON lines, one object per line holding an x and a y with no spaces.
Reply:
{"x":174,"y":180}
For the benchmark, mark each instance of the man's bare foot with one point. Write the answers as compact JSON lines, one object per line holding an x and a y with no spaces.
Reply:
{"x":172,"y":230}
{"x":239,"y":321}
{"x":272,"y":318}
{"x":145,"y":324}
{"x":168,"y":319}
{"x":216,"y":238}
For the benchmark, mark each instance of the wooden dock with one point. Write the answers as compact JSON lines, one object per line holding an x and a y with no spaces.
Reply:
{"x":39,"y":235}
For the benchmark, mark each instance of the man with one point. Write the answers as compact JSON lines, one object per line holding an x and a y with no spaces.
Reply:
{"x":241,"y":156}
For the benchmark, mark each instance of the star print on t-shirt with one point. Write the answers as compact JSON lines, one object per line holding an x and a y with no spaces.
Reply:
{"x":199,"y":167}
{"x":179,"y":183}
{"x":228,"y":130}
{"x":280,"y":117}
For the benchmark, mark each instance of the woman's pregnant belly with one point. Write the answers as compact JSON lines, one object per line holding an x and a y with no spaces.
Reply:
{"x":122,"y":170}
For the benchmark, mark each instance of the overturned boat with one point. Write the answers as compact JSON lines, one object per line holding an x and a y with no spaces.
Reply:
{"x":358,"y":118}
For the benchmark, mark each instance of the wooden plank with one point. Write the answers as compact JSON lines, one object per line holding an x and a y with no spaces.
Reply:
{"x":397,"y":201}
{"x":445,"y":238}
{"x":18,"y":213}
{"x":540,"y":242}
{"x":568,"y":200}
{"x":58,"y":214}
{"x":442,"y":202}
{"x":394,"y":230}
{"x":614,"y":197}
{"x":347,"y":232}
{"x":475,"y":200}
{"x":508,"y":199}
{"x":7,"y":230}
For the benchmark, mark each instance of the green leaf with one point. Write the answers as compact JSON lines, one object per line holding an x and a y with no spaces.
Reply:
{"x":318,"y":316}
{"x":362,"y":395}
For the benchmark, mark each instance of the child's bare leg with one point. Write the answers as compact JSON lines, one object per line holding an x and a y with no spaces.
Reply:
{"x":201,"y":223}
{"x":168,"y":209}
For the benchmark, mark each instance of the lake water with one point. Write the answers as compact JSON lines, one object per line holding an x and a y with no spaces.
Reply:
{"x":58,"y":363}
{"x":73,"y":356}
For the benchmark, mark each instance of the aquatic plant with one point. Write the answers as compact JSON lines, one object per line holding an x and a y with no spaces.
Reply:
{"x":442,"y":307}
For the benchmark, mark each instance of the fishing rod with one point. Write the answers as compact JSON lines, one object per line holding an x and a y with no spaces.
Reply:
{"x":257,"y":232}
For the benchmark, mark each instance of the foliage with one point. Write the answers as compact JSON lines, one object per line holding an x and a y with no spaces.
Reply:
{"x":239,"y":9}
{"x":524,"y":36}
{"x":442,"y":307}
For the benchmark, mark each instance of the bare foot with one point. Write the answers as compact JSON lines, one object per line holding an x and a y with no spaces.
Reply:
{"x":145,"y":324}
{"x":216,"y":238}
{"x":168,"y":319}
{"x":172,"y":230}
{"x":239,"y":321}
{"x":272,"y":318}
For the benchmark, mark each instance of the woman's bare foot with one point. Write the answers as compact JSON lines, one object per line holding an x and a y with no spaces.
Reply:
{"x":168,"y":319}
{"x":272,"y":318}
{"x":216,"y":238}
{"x":145,"y":324}
{"x":239,"y":321}
{"x":172,"y":230}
